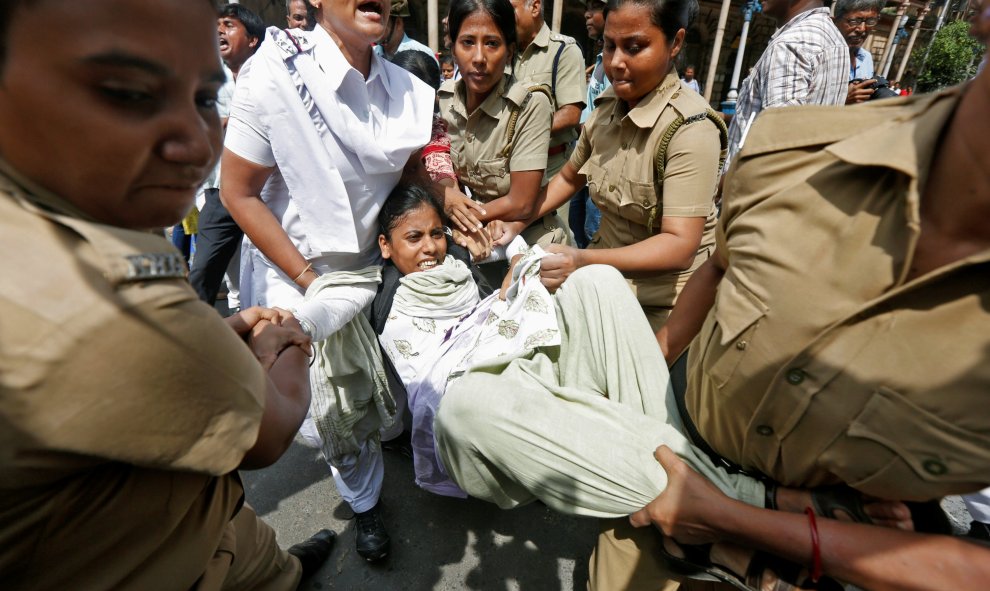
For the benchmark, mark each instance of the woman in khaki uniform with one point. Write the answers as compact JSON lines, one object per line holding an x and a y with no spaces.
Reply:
{"x":650,"y":156}
{"x":499,"y":128}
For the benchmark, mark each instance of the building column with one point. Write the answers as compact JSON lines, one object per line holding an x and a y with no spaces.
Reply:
{"x":723,"y":17}
{"x":910,"y":45}
{"x":901,"y":9}
{"x":433,"y":20}
{"x":558,"y":13}
{"x":751,"y":7}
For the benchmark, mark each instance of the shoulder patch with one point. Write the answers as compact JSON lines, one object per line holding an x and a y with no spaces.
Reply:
{"x":158,"y":265}
{"x":565,"y":39}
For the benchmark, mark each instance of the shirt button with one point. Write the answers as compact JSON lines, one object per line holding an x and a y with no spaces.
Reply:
{"x":765,"y":430}
{"x":741,"y":345}
{"x":675,"y":95}
{"x":625,"y":145}
{"x":934,"y":467}
{"x":795,"y":377}
{"x":611,"y":188}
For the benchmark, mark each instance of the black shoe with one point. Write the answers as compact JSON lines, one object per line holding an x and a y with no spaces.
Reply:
{"x":372,"y":539}
{"x":314,"y":552}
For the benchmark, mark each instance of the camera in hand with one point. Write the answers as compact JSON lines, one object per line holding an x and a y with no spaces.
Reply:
{"x":881,"y":88}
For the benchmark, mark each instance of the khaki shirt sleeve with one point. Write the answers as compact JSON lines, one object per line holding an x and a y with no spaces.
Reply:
{"x":163,"y":383}
{"x":532,"y":139}
{"x":582,"y":149}
{"x":571,"y":85}
{"x":692,"y":171}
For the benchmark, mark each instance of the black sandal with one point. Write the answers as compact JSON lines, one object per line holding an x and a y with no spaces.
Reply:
{"x":828,"y":501}
{"x":697,"y":564}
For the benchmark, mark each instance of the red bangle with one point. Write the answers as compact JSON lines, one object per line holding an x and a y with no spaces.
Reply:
{"x":816,"y":549}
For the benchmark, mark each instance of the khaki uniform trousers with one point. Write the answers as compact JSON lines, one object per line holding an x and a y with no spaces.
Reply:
{"x":249,"y":559}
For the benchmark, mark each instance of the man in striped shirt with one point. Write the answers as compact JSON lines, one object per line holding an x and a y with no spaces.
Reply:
{"x":806,"y":63}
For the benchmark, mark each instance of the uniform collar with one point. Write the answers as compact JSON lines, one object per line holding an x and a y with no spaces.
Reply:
{"x":542,"y":38}
{"x":647,"y":111}
{"x":905,"y":143}
{"x":38,"y":195}
{"x":491,"y":106}
{"x":332,"y":61}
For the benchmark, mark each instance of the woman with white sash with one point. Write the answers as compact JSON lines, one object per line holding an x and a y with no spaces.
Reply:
{"x":320,"y":131}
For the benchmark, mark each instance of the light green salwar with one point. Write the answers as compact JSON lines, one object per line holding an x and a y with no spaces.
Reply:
{"x":576,"y":425}
{"x":351,"y":399}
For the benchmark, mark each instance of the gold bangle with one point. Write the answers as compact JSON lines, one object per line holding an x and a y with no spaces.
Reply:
{"x":308,"y":267}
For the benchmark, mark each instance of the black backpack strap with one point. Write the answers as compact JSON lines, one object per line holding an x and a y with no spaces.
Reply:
{"x":553,"y":77}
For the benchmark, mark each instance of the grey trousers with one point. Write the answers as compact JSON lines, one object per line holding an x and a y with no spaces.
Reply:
{"x":576,"y":425}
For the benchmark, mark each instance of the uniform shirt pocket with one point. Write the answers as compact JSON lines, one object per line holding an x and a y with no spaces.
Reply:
{"x":910,"y":453}
{"x":637,"y":202}
{"x":494,"y":174}
{"x":737,"y":315}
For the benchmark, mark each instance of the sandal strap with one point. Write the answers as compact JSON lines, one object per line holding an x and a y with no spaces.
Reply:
{"x":828,"y":500}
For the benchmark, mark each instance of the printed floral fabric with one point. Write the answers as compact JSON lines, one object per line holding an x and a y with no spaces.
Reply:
{"x":430,"y":349}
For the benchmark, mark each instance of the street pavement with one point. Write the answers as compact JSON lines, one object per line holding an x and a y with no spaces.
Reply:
{"x":437,"y":542}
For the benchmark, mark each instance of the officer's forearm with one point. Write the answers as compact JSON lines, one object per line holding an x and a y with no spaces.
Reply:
{"x":868,"y":556}
{"x":693,"y":305}
{"x":521,"y":202}
{"x":562,"y":187}
{"x":240,"y":191}
{"x":286,"y":403}
{"x":566,"y":117}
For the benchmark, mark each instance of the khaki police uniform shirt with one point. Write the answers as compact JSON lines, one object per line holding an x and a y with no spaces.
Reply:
{"x":616,"y":154}
{"x":535,"y":66}
{"x":820,"y":361}
{"x":477,"y":139}
{"x":125,"y":405}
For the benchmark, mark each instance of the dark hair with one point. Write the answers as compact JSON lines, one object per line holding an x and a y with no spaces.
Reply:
{"x":419,"y":65}
{"x":402,"y":200}
{"x":500,"y":10}
{"x":669,"y":16}
{"x":843,"y":7}
{"x":446,"y":59}
{"x":251,"y":21}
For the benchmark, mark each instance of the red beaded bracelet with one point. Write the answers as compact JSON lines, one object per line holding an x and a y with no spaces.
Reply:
{"x":816,"y":549}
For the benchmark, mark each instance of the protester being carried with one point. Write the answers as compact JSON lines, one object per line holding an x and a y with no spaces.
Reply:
{"x":434,"y":326}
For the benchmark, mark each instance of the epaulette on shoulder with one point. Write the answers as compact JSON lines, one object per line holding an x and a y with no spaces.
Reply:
{"x":565,"y":39}
{"x":688,"y":103}
{"x":518,"y":94}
